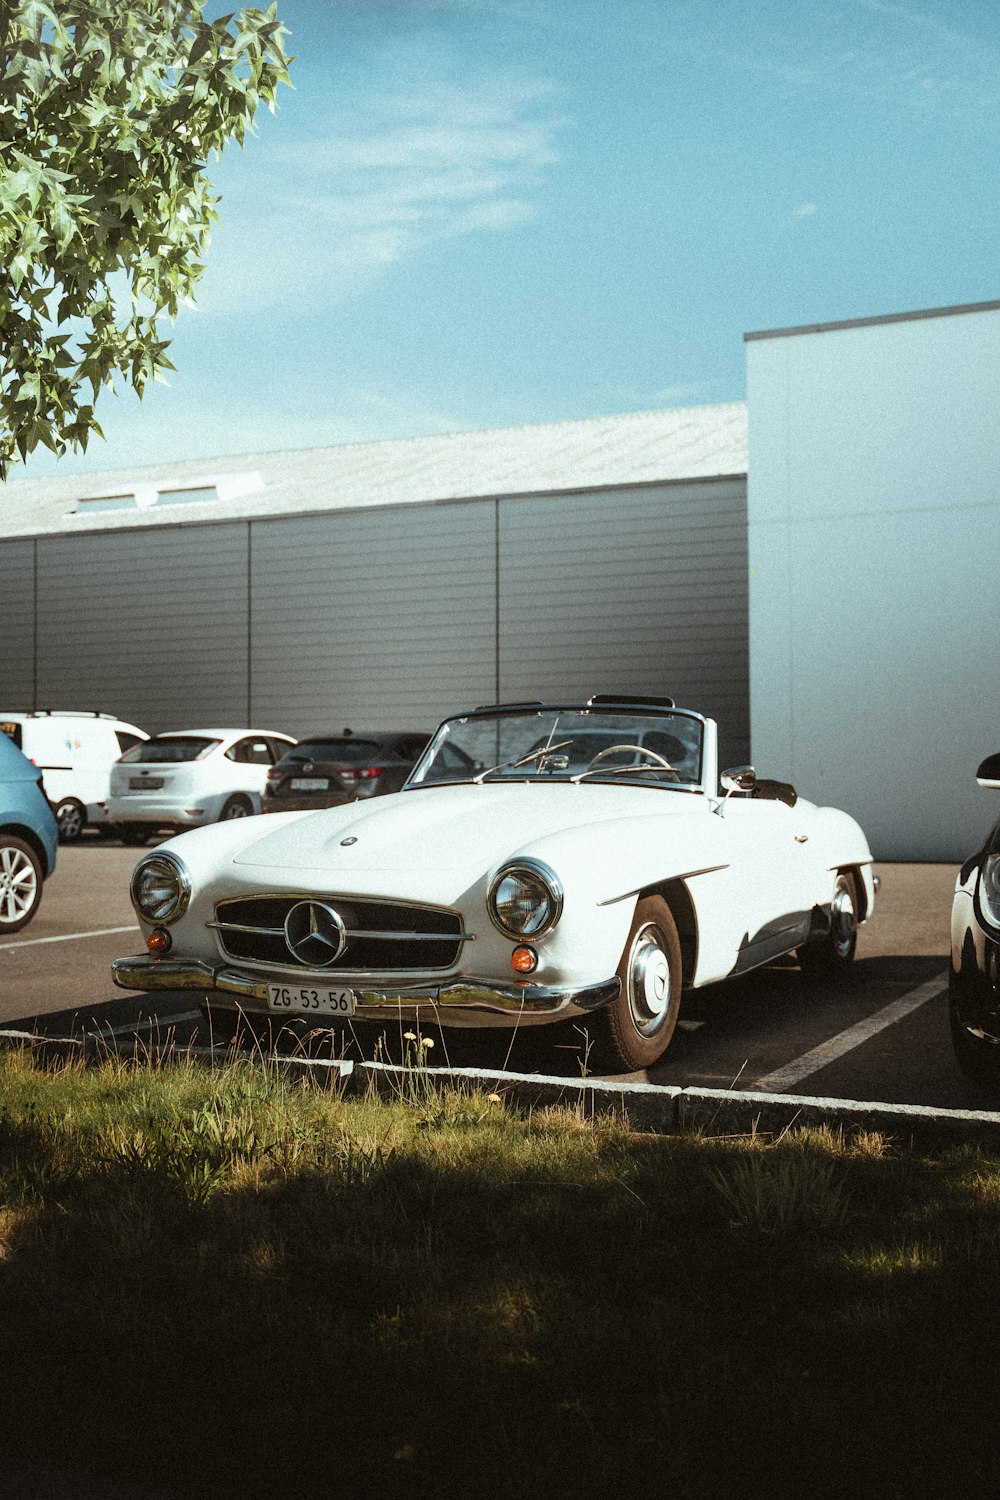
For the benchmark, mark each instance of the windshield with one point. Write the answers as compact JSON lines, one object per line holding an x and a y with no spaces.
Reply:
{"x":166,"y":749}
{"x":656,"y":748}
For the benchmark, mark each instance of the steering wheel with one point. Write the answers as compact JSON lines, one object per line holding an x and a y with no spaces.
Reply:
{"x":638,"y":749}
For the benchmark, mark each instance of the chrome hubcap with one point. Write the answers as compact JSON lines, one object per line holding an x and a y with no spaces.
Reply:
{"x":843,"y":919}
{"x":238,"y":811}
{"x":18,"y":885}
{"x":649,"y":981}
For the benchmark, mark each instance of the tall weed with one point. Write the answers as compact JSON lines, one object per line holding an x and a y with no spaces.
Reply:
{"x":773,"y":1191}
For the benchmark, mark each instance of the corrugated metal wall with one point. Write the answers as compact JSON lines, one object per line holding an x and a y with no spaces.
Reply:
{"x":150,"y":625}
{"x":389,"y":618}
{"x":373,"y":619}
{"x":17,"y":625}
{"x":644,"y":590}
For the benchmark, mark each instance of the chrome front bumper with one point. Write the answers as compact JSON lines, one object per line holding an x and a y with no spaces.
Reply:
{"x":466,"y":1002}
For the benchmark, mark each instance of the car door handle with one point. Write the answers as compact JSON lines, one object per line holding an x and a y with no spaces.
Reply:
{"x":802,"y":838}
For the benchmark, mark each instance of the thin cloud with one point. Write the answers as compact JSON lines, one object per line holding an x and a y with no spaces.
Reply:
{"x":873,"y":50}
{"x":386,"y":180}
{"x":804,"y":211}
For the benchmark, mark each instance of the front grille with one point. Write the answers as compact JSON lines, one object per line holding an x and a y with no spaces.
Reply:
{"x":382,"y":936}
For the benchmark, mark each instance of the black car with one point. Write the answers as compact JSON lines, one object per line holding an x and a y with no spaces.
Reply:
{"x":974,"y":984}
{"x":325,"y":770}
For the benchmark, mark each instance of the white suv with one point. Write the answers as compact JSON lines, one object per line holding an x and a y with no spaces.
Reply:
{"x":189,"y":777}
{"x":74,"y":751}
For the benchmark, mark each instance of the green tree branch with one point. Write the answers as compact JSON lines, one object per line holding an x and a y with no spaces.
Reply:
{"x":108,"y":115}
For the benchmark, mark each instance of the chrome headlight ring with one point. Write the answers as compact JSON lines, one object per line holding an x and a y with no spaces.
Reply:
{"x":160,"y":888}
{"x":525,"y":900}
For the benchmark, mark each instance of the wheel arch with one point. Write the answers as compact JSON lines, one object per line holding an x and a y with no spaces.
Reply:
{"x":860,"y":889}
{"x":677,"y":896}
{"x":33,"y":841}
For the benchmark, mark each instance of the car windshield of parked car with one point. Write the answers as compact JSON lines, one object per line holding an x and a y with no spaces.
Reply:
{"x":170,"y":749}
{"x":348,"y":752}
{"x":656,"y":748}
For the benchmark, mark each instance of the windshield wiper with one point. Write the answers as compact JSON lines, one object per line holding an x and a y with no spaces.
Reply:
{"x":625,"y":771}
{"x":525,"y":760}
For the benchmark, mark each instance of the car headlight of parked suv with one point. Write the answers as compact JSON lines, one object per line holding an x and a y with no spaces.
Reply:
{"x":525,"y":899}
{"x":161,"y":888}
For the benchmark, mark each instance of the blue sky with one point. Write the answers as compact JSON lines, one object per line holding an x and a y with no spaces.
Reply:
{"x":479,"y":213}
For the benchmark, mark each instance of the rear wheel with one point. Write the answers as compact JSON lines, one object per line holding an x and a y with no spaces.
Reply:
{"x":20,"y":883}
{"x":834,"y":953}
{"x":235,"y":807}
{"x":635,"y":1030}
{"x":71,"y":818}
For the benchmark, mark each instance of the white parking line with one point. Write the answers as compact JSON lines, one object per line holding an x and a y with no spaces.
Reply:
{"x":68,"y":937}
{"x":792,"y":1073}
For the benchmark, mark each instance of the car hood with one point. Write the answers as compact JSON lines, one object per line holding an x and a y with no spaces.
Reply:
{"x":457,"y":829}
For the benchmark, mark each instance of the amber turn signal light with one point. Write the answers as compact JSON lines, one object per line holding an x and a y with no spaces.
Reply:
{"x":524,"y":960}
{"x":159,"y":941}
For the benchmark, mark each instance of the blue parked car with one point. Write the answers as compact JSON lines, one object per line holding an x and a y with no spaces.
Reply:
{"x":28,"y":838}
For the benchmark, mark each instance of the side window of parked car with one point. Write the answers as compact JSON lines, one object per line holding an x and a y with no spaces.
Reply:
{"x":251,"y":753}
{"x":126,"y":741}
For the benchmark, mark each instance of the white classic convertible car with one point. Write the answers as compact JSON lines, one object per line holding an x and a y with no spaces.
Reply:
{"x":543,"y":861}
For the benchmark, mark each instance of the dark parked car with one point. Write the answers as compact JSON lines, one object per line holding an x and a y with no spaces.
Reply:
{"x":28,"y":837}
{"x":325,"y":770}
{"x":974,"y":988}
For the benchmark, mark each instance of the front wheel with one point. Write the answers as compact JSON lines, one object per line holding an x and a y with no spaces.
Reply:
{"x":834,"y":953}
{"x":978,"y":1057}
{"x":635,"y":1030}
{"x":20,"y":883}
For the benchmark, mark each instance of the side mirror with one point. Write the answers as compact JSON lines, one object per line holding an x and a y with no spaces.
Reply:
{"x":988,"y":774}
{"x":743,"y":779}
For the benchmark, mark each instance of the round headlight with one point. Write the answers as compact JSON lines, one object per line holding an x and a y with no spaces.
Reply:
{"x":525,"y":899}
{"x":989,"y":888}
{"x":161,"y":888}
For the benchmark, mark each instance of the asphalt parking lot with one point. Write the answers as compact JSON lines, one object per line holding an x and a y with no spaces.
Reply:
{"x":881,"y":1034}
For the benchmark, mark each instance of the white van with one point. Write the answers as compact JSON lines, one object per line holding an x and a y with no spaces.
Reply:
{"x":74,"y":752}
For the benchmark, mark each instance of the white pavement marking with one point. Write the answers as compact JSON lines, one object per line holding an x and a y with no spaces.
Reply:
{"x":68,"y":937}
{"x":828,"y":1052}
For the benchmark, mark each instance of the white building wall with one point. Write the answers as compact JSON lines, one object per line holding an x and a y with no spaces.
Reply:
{"x":874,"y":553}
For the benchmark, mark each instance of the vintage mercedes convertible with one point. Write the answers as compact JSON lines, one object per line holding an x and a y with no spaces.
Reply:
{"x":543,"y":861}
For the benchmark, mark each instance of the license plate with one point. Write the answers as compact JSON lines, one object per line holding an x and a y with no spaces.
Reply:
{"x":307,"y":999}
{"x":310,"y":784}
{"x":145,"y":783}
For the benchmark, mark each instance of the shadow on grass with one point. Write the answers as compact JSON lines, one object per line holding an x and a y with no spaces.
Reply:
{"x":260,"y":1294}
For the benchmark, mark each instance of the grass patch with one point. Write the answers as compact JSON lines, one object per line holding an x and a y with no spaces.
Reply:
{"x":227,"y":1283}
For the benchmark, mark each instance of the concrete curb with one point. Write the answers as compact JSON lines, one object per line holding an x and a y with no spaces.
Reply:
{"x":667,"y":1110}
{"x":641,"y":1104}
{"x":671,"y":1110}
{"x":720,"y":1112}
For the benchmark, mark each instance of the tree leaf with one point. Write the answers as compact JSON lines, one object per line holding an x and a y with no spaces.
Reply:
{"x":108,"y":114}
